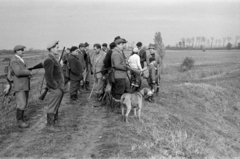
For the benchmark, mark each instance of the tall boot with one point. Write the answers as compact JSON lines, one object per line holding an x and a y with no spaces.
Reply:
{"x":50,"y":119}
{"x":56,"y":118}
{"x":87,"y":85}
{"x":21,"y":123}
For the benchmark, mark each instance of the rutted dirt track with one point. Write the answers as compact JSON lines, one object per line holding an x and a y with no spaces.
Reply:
{"x":81,"y":126}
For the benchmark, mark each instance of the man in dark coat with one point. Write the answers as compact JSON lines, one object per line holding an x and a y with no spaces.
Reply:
{"x":55,"y":82}
{"x":21,"y":83}
{"x":88,"y":66}
{"x":82,"y":56}
{"x":65,"y":66}
{"x":107,"y":60}
{"x":120,"y":73}
{"x":75,"y":72}
{"x":142,"y":54}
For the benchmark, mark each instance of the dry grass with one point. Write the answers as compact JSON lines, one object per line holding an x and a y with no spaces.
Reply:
{"x":189,"y":119}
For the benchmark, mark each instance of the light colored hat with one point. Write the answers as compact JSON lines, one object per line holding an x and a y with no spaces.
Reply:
{"x":135,"y":49}
{"x":18,"y":47}
{"x":52,"y":44}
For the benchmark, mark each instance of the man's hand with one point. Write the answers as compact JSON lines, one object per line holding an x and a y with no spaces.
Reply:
{"x":103,"y":77}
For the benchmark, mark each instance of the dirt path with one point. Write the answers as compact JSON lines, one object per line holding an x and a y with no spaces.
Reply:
{"x":79,"y":133}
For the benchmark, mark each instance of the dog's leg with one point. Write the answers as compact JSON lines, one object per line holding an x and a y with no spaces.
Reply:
{"x":139,"y":114}
{"x":122,"y":108}
{"x":135,"y":112}
{"x":128,"y":111}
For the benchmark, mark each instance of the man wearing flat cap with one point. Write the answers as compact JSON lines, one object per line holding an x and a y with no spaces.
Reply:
{"x":119,"y":64}
{"x":157,"y":64}
{"x":55,"y":82}
{"x":75,"y":69}
{"x":142,"y":53}
{"x":21,"y":83}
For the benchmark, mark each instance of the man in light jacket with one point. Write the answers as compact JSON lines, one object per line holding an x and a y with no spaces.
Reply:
{"x":21,"y":83}
{"x":98,"y":66}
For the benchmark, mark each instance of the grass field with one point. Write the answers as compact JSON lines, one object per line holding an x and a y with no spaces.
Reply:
{"x":196,"y":115}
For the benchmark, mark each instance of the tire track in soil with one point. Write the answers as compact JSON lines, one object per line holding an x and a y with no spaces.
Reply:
{"x":90,"y":130}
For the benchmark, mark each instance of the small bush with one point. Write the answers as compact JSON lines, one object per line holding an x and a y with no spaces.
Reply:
{"x":6,"y":59}
{"x":187,"y":64}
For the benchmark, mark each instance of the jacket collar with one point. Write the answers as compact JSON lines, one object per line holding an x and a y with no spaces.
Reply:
{"x":52,"y":56}
{"x":75,"y":56}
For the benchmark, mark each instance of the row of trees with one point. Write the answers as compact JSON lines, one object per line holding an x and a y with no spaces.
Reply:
{"x":201,"y":41}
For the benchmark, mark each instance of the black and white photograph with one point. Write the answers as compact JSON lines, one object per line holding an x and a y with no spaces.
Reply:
{"x":120,"y":79}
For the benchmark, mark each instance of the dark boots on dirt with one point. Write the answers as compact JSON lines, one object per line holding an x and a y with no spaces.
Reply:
{"x":87,"y":86}
{"x":20,"y":120}
{"x":56,"y":118}
{"x":50,"y":119}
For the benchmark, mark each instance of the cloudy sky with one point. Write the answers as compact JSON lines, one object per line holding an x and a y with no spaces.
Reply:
{"x":35,"y":23}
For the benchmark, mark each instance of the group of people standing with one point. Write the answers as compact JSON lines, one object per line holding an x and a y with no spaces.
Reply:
{"x":108,"y":66}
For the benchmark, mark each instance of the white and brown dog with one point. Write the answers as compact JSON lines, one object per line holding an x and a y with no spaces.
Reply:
{"x":135,"y":101}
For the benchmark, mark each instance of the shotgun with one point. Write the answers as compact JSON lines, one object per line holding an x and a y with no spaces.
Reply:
{"x":43,"y":95}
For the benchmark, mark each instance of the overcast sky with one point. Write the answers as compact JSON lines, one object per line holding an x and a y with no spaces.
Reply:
{"x":35,"y":23}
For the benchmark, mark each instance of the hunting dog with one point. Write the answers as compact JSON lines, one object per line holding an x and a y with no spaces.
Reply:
{"x":134,"y":100}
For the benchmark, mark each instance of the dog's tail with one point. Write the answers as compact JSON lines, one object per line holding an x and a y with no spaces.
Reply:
{"x":122,"y":98}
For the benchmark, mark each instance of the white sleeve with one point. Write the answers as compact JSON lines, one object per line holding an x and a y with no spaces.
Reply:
{"x":138,"y":63}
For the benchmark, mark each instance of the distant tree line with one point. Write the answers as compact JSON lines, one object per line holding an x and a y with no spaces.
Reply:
{"x":201,"y":42}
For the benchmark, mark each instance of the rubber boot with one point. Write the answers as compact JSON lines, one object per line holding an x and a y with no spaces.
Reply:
{"x":56,"y":118}
{"x":50,"y":119}
{"x":21,"y":123}
{"x":87,"y":85}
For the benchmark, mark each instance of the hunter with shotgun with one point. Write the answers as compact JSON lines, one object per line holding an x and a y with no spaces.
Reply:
{"x":55,"y":82}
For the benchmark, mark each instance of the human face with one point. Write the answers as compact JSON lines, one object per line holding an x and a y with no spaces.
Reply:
{"x":124,"y":45}
{"x":120,"y":46}
{"x":82,"y":48}
{"x":20,"y":53}
{"x":75,"y":52}
{"x":87,"y":48}
{"x":97,"y":50}
{"x":104,"y":47}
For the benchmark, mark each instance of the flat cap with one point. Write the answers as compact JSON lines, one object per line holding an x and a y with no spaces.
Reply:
{"x":73,"y":48}
{"x":86,"y":44}
{"x":139,"y":44}
{"x":118,"y":41}
{"x":125,"y":41}
{"x":52,"y":44}
{"x":81,"y":45}
{"x":104,"y":44}
{"x":151,"y":46}
{"x":116,"y":38}
{"x":18,"y":47}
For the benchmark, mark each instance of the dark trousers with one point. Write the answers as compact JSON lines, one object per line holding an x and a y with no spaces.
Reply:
{"x":74,"y":87}
{"x":55,"y":99}
{"x":119,"y":87}
{"x":135,"y":78}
